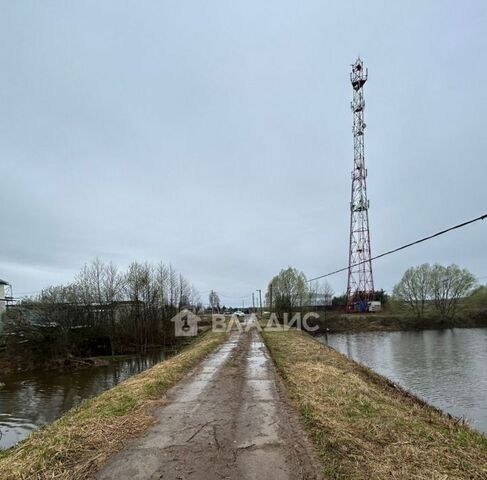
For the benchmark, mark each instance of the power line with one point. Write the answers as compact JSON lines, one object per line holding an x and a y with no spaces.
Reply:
{"x":429,"y":237}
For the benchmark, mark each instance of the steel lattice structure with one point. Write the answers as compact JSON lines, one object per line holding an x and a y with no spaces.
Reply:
{"x":360,"y":287}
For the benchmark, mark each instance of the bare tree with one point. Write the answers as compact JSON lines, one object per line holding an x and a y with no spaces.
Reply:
{"x":448,"y":285}
{"x":112,"y":283}
{"x":127,"y":311}
{"x":195,"y":299}
{"x":173,"y":287}
{"x":320,"y":293}
{"x":162,"y":284}
{"x":184,"y":289}
{"x":442,"y":286}
{"x":414,"y":287}
{"x":214,"y":301}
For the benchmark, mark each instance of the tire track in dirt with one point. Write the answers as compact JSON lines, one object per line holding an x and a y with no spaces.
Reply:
{"x":229,"y":419}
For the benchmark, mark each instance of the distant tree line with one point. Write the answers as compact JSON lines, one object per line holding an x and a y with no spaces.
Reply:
{"x":435,"y":288}
{"x":104,"y":310}
{"x":290,"y":292}
{"x":422,"y":289}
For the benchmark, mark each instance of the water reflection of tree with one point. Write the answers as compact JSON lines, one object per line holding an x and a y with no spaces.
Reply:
{"x":38,"y":398}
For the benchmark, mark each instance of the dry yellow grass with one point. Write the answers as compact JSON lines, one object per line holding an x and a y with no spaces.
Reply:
{"x":75,"y":445}
{"x":365,"y":428}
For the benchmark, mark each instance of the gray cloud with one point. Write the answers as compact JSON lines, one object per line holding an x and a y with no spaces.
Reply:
{"x":217,"y":136}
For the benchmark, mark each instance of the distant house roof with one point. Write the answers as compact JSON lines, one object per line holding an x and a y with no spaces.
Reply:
{"x":3,"y":282}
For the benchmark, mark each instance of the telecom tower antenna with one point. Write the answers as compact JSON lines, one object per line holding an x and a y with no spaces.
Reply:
{"x":360,"y":287}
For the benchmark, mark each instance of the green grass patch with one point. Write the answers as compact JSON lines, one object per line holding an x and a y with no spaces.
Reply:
{"x":363,"y":427}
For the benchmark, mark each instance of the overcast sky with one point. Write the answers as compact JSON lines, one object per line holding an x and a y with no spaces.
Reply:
{"x":216,"y":135}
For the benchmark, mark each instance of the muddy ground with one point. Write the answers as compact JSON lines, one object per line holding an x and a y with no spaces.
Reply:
{"x":229,"y":419}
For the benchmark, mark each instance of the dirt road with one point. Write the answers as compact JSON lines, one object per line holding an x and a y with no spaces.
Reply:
{"x":229,"y":419}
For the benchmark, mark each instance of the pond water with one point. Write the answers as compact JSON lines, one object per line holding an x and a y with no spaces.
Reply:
{"x":446,"y":368}
{"x":29,"y":400}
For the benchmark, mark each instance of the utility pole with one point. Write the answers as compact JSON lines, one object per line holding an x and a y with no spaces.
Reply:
{"x":260,"y":300}
{"x":253,"y":301}
{"x":270,"y":295}
{"x":360,"y":286}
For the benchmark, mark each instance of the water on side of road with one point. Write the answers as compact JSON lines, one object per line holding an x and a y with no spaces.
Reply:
{"x":30,"y":400}
{"x":446,"y":368}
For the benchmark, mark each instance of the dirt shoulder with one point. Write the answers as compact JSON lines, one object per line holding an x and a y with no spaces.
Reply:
{"x":76,"y":444}
{"x":363,"y":426}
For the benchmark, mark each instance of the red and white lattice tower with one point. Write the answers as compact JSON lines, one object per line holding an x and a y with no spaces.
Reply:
{"x":360,"y":287}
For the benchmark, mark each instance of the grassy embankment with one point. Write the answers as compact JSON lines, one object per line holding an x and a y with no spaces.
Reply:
{"x":364,"y":427}
{"x":77,"y":443}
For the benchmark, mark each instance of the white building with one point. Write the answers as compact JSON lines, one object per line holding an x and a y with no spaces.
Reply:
{"x":3,"y":303}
